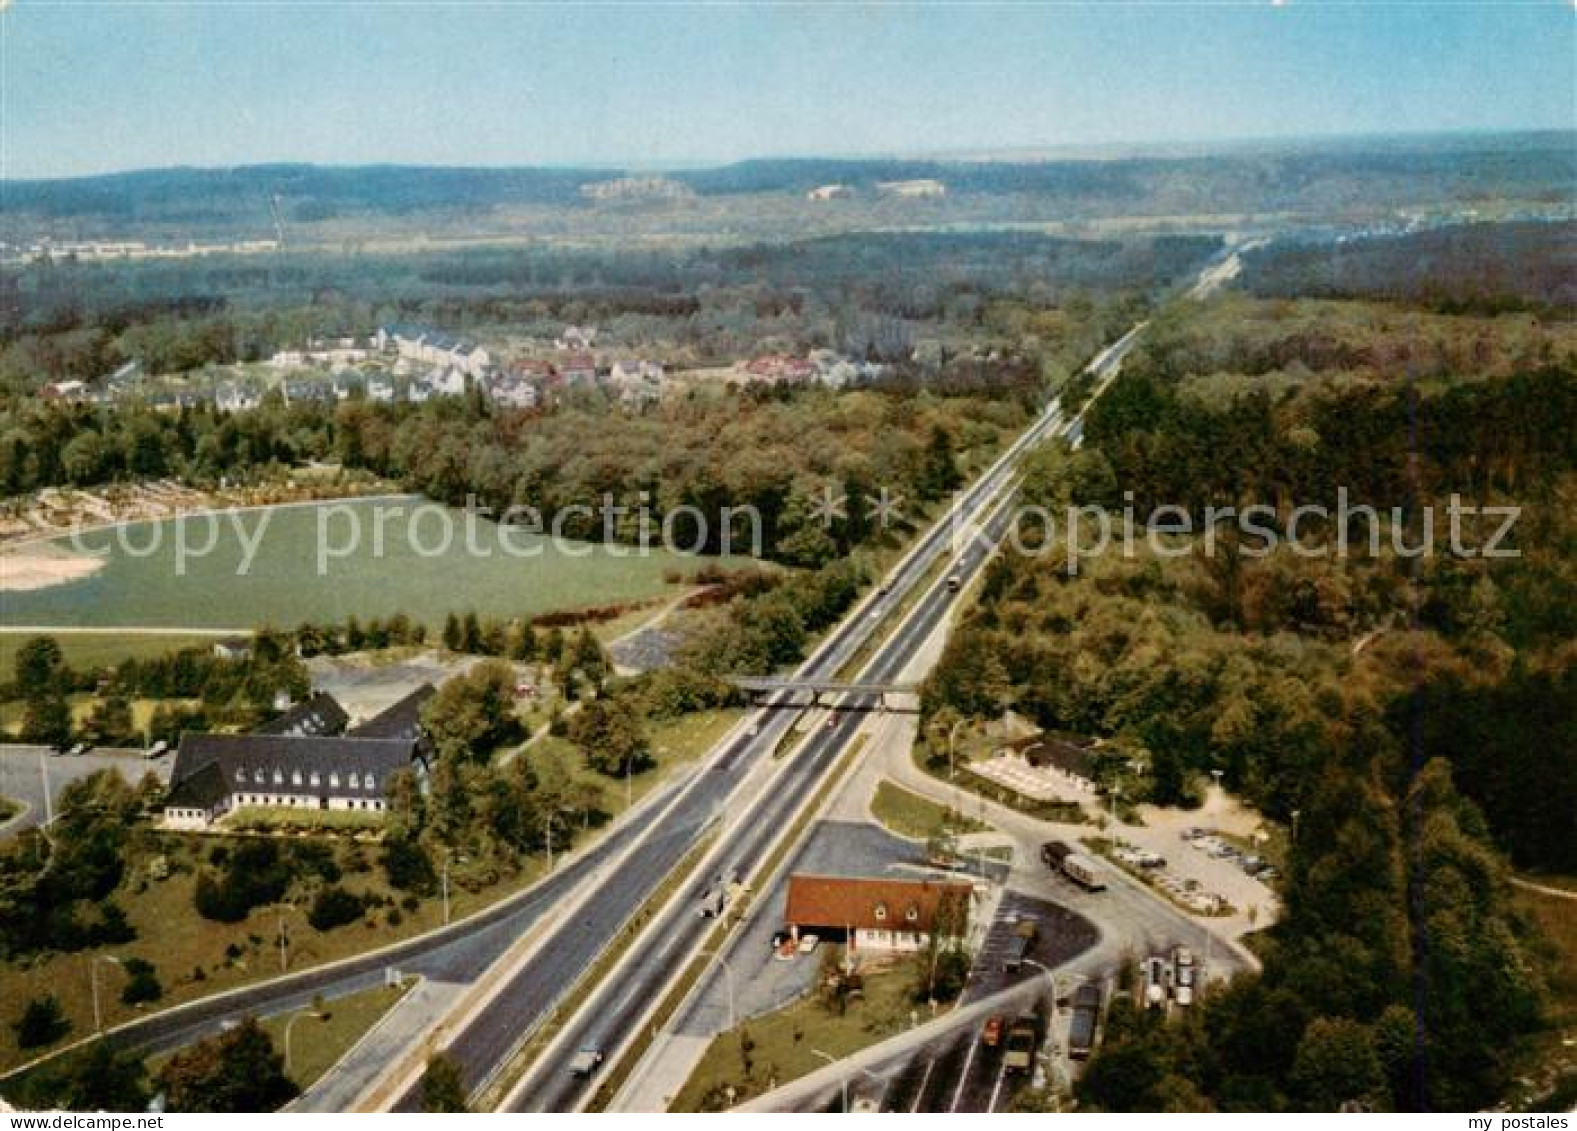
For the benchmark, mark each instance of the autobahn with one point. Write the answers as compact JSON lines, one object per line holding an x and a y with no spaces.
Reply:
{"x":619,"y":1003}
{"x":482,"y":1047}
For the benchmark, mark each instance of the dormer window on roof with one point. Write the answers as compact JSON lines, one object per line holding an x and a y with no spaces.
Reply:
{"x":295,"y":777}
{"x":881,"y":911}
{"x":912,"y":913}
{"x":279,"y":776}
{"x":369,"y":781}
{"x":240,"y":775}
{"x":354,"y":780}
{"x":259,"y":776}
{"x":334,"y":779}
{"x":315,"y":778}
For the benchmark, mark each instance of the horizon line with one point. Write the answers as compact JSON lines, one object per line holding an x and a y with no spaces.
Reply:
{"x":1027,"y":153}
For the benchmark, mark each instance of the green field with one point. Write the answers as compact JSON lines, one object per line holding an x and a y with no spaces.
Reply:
{"x":84,"y":650}
{"x":304,"y":568}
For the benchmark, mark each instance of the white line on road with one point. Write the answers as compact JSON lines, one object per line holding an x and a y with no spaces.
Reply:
{"x":963,"y":1077}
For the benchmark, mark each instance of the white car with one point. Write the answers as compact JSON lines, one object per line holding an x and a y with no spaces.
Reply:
{"x":808,"y":943}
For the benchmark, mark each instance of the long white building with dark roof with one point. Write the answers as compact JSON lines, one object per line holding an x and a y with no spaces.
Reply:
{"x":298,"y":761}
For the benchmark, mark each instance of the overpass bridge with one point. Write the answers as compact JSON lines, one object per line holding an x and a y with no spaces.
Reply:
{"x":760,"y":688}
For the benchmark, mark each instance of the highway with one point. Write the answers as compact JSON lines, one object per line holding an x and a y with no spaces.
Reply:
{"x":483,"y":1047}
{"x":617,"y":1005}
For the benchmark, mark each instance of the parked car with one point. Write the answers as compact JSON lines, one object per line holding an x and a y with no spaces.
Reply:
{"x":809,"y":943}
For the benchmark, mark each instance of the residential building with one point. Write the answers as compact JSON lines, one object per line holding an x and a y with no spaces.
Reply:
{"x":577,"y":369}
{"x":877,"y":914}
{"x":233,"y":647}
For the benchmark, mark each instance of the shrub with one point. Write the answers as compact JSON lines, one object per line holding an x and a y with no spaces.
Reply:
{"x":42,"y":1023}
{"x":142,"y":982}
{"x":334,"y":907}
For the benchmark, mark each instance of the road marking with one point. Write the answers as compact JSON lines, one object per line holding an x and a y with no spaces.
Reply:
{"x":919,"y":1095}
{"x":996,"y":1091}
{"x":963,"y":1077}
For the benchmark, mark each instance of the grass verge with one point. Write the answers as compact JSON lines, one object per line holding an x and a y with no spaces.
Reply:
{"x":918,"y":818}
{"x":769,"y":1051}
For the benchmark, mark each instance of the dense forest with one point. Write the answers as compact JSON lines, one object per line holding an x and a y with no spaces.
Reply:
{"x":1487,"y":267}
{"x":1406,"y":715}
{"x":871,"y":296}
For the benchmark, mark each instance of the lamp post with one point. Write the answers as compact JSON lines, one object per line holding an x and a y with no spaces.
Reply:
{"x":443,"y":876}
{"x":49,"y":802}
{"x":291,"y":1024}
{"x":284,"y":939}
{"x":952,"y":732}
{"x":93,"y":979}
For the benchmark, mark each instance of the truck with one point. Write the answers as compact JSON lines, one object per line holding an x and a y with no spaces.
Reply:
{"x":1081,"y":1027}
{"x":1053,"y":853}
{"x":1023,"y":1039}
{"x":1082,"y":872}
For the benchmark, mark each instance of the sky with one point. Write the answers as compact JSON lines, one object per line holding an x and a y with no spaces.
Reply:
{"x":88,"y":88}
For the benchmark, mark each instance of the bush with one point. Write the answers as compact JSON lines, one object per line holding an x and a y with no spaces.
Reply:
{"x":142,"y":982}
{"x":255,"y":874}
{"x":334,"y":907}
{"x":42,"y":1023}
{"x":408,"y":866}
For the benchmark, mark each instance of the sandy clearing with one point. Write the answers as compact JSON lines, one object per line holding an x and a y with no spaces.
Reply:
{"x":20,"y":573}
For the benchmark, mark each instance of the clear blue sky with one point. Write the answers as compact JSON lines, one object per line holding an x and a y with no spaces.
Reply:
{"x":90,"y":88}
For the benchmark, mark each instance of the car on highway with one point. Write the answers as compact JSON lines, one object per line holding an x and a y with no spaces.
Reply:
{"x":587,"y":1059}
{"x":991,"y":1032}
{"x":711,"y":902}
{"x":1023,"y":1039}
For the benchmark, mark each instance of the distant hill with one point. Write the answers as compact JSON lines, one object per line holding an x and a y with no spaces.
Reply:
{"x":1309,"y":180}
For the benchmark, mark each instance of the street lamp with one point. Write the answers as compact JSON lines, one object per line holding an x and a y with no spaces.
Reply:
{"x":950,"y":736}
{"x":284,"y":939}
{"x":49,"y":802}
{"x":93,"y":979}
{"x":443,"y":876}
{"x":290,"y":1024}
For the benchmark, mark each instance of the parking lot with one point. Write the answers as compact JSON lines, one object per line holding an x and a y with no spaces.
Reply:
{"x":22,"y":775}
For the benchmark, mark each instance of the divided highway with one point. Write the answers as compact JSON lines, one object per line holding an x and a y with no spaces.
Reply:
{"x":618,"y":1004}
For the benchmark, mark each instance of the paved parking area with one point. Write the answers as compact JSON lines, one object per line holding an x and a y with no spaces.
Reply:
{"x":22,"y":776}
{"x":763,"y":984}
